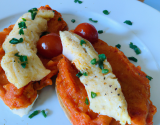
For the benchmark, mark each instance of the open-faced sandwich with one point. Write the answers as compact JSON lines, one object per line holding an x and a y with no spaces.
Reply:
{"x":23,"y":71}
{"x":98,"y":85}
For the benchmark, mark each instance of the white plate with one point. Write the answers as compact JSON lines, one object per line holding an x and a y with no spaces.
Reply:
{"x":144,"y":33}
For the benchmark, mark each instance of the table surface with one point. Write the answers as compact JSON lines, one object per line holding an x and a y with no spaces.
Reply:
{"x":153,"y":3}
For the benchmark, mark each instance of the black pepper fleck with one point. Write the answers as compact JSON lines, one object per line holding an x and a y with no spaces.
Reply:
{"x":105,"y":94}
{"x":115,"y":89}
{"x":85,"y":50}
{"x":95,"y":76}
{"x":110,"y":85}
{"x":86,"y":84}
{"x":104,"y":78}
{"x":111,"y":92}
{"x":118,"y":94}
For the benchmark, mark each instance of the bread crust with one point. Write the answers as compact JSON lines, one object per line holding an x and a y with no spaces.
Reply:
{"x":66,"y":111}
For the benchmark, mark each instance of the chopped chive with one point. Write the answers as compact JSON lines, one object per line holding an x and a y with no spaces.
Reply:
{"x":82,"y":42}
{"x":23,"y":60}
{"x":78,"y":1}
{"x":53,"y":10}
{"x":21,"y":32}
{"x":33,"y":15}
{"x":87,"y":101}
{"x":149,"y":77}
{"x":135,"y":48}
{"x":93,"y":95}
{"x":44,"y":114}
{"x":16,"y":54}
{"x":104,"y":71}
{"x":79,"y":74}
{"x":102,"y":57}
{"x":118,"y":46}
{"x":22,"y":25}
{"x":73,"y":20}
{"x":128,"y":22}
{"x":93,"y":61}
{"x":59,"y":19}
{"x":33,"y":12}
{"x":100,"y":31}
{"x":94,"y":21}
{"x":132,"y":58}
{"x":24,"y":64}
{"x":34,"y":114}
{"x":85,"y":74}
{"x":16,"y":41}
{"x":23,"y":19}
{"x":100,"y":64}
{"x":106,"y":12}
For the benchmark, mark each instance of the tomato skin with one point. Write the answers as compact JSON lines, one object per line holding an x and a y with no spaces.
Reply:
{"x":87,"y":31}
{"x":49,"y":45}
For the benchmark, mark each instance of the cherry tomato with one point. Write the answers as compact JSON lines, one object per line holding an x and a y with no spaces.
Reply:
{"x":49,"y":45}
{"x":87,"y":31}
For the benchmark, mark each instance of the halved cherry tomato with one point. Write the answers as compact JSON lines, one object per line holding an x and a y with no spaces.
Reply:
{"x":87,"y":31}
{"x":49,"y":45}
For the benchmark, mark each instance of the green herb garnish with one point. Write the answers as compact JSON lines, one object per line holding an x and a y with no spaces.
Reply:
{"x":16,"y":41}
{"x":22,"y":25}
{"x":59,"y":19}
{"x":82,"y":42}
{"x":85,"y":74}
{"x":21,"y":32}
{"x":135,"y":48}
{"x":149,"y":77}
{"x":79,"y":74}
{"x":100,"y":64}
{"x":132,"y":58}
{"x":106,"y":12}
{"x":102,"y":57}
{"x":23,"y":60}
{"x":94,"y":21}
{"x":118,"y":46}
{"x":23,"y":19}
{"x":104,"y":71}
{"x":33,"y":12}
{"x":44,"y":114}
{"x":73,"y":20}
{"x":100,"y":31}
{"x":87,"y":101}
{"x":34,"y":114}
{"x":128,"y":22}
{"x":93,"y":95}
{"x":93,"y":61}
{"x":78,"y":1}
